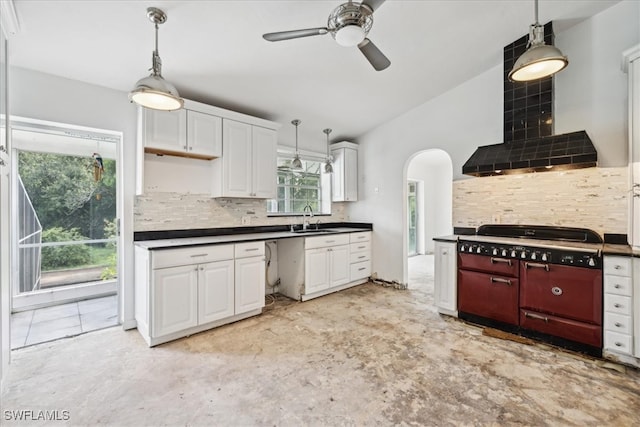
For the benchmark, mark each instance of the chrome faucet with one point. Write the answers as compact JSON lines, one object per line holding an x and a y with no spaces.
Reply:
{"x":305,"y":222}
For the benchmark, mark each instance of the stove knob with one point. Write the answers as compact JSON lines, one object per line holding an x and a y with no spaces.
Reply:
{"x":479,"y":250}
{"x":504,"y":252}
{"x":592,"y":262}
{"x":523,"y":254}
{"x":544,"y":257}
{"x":495,"y":251}
{"x":534,"y":256}
{"x":462,"y":248}
{"x":513,"y":254}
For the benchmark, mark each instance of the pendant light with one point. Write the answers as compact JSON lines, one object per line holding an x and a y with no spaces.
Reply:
{"x":153,"y":91}
{"x":296,"y":163}
{"x":328,"y":167}
{"x":540,"y":60}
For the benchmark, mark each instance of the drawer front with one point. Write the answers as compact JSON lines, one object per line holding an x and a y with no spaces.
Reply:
{"x":359,"y":257}
{"x":617,"y":323}
{"x":364,"y":236}
{"x":249,"y":249}
{"x":491,"y":265}
{"x":326,"y":241}
{"x":617,"y":342}
{"x":360,"y":247}
{"x":488,"y":295}
{"x":617,"y":285}
{"x":191,"y":255}
{"x":620,"y":266}
{"x":360,"y":270}
{"x":561,"y":327}
{"x":618,"y":304}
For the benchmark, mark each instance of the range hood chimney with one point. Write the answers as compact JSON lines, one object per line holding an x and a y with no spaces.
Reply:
{"x":529,"y":143}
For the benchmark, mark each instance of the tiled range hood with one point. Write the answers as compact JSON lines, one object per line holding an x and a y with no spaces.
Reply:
{"x":529,"y":144}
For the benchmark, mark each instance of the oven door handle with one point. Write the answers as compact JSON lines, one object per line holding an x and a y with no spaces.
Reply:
{"x":499,"y":280}
{"x":497,"y":260}
{"x":536,"y":265}
{"x":536,"y":316}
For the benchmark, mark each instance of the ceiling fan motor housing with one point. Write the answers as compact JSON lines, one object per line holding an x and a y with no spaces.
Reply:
{"x":350,"y":23}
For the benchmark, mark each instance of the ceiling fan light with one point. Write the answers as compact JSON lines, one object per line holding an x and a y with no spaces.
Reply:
{"x":349,"y":35}
{"x":537,"y":62}
{"x":156,"y":93}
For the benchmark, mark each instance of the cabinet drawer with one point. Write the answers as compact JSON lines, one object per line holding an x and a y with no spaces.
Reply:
{"x":617,"y":323}
{"x":364,"y":236}
{"x":249,"y":249}
{"x":617,"y":342}
{"x":360,"y":247}
{"x":617,"y":285}
{"x":192,"y":255}
{"x":324,"y":241}
{"x":359,"y":256}
{"x":617,"y":265}
{"x":360,"y":270}
{"x":618,"y":304}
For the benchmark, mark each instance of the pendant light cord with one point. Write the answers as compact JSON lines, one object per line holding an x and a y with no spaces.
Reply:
{"x":536,"y":11}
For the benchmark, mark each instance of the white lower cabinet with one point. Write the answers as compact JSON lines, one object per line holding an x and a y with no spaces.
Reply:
{"x":183,"y":291}
{"x":446,"y":278}
{"x":331,"y":263}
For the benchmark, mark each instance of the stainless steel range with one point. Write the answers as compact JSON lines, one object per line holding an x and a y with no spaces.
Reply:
{"x":539,"y":281}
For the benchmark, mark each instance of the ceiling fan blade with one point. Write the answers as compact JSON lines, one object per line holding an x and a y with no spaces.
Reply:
{"x":374,"y":55}
{"x":294,"y":34}
{"x":373,"y":4}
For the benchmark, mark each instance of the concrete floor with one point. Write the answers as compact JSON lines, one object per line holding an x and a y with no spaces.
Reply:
{"x":365,"y":356}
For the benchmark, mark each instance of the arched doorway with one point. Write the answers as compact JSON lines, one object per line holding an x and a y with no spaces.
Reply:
{"x":428,"y":177}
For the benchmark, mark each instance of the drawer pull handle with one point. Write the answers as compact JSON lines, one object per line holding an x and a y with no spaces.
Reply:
{"x":618,"y":344}
{"x":617,"y":286}
{"x":361,"y":268}
{"x":617,"y":267}
{"x":198,"y":255}
{"x":497,"y":260}
{"x":362,"y":256}
{"x":618,"y":324}
{"x":536,"y":265}
{"x":616,"y":305}
{"x":537,"y":317}
{"x":362,"y":247}
{"x":329,"y":241}
{"x":252,"y":249}
{"x":499,"y":280}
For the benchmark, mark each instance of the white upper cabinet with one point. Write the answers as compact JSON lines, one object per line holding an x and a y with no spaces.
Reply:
{"x":345,"y":172}
{"x":182,"y":133}
{"x":248,"y":167}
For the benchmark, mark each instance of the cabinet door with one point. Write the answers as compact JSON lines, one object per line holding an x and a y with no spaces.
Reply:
{"x":204,"y":134}
{"x":250,"y":283}
{"x":215,"y":291}
{"x":175,"y":299}
{"x":316,"y":270}
{"x":236,"y":180}
{"x":337,"y":177}
{"x":350,"y":175}
{"x":339,"y":265}
{"x":445,"y":292}
{"x":165,"y":130}
{"x":264,"y":168}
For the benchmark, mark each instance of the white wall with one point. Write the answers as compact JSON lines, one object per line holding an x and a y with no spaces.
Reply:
{"x":433,"y":168}
{"x":46,"y":97}
{"x":471,"y":115}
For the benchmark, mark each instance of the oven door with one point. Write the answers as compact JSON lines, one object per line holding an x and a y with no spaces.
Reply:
{"x":490,"y":296}
{"x":565,"y":291}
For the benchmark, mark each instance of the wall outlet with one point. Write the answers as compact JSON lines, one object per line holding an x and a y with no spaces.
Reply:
{"x":246,"y":220}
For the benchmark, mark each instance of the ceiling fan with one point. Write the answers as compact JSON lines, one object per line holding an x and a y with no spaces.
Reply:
{"x":349,"y":25}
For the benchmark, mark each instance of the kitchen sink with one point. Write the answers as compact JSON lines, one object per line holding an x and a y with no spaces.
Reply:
{"x":314,"y":231}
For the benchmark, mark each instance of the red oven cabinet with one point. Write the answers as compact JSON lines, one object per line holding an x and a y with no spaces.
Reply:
{"x":488,"y":295}
{"x":564,"y":291}
{"x":489,"y":264}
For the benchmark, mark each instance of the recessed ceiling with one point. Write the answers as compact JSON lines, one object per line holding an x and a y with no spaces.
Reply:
{"x":213,"y":52}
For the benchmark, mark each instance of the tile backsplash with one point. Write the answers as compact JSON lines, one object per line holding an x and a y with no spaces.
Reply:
{"x":595,"y":198}
{"x":177,"y":211}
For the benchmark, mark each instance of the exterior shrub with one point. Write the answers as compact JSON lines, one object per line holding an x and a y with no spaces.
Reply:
{"x":57,"y":257}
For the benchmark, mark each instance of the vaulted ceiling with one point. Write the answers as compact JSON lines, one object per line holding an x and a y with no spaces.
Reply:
{"x":213,"y":52}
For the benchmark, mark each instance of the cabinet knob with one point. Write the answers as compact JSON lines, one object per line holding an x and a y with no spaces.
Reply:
{"x":618,"y":324}
{"x":616,"y":286}
{"x":618,"y":344}
{"x":616,"y":305}
{"x":618,"y":267}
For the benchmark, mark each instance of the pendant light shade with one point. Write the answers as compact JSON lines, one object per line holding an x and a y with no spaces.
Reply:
{"x":540,"y":60}
{"x":328,"y":167}
{"x":296,"y":163}
{"x":154,"y":91}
